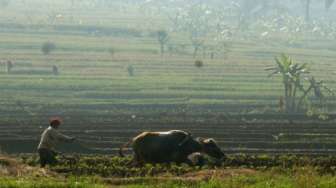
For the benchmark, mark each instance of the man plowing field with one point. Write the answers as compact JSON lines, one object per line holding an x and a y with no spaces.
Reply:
{"x":49,"y":139}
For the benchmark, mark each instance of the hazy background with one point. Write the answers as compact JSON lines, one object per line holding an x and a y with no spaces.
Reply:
{"x":113,"y":68}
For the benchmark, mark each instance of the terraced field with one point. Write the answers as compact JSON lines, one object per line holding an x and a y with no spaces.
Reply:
{"x":230,"y":98}
{"x":106,"y":137}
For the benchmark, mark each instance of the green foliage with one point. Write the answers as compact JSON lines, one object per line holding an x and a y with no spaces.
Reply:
{"x":89,"y":78}
{"x":111,"y":166}
{"x":48,"y":47}
{"x":130,"y":70}
{"x":291,"y":78}
{"x":55,"y":70}
{"x":297,"y":177}
{"x":196,"y":20}
{"x":198,"y":63}
{"x":295,"y":92}
{"x":263,"y":171}
{"x":107,"y":166}
{"x":27,"y":182}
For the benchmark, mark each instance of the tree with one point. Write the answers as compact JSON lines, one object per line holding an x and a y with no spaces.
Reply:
{"x":251,"y":8}
{"x":163,"y":39}
{"x":295,"y":92}
{"x":197,"y":21}
{"x":47,"y":47}
{"x":130,"y":70}
{"x":55,"y":70}
{"x":198,"y":63}
{"x":246,"y":7}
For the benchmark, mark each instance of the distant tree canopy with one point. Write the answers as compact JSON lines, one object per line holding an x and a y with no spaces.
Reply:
{"x":196,"y":21}
{"x":48,"y":47}
{"x":198,"y":63}
{"x":250,"y":7}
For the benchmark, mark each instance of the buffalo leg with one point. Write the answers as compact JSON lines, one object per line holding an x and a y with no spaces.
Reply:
{"x":136,"y":161}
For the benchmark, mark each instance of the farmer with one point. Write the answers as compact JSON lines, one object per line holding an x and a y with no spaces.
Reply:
{"x":49,"y":139}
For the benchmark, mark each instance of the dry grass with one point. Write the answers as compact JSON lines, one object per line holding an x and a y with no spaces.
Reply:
{"x":12,"y":167}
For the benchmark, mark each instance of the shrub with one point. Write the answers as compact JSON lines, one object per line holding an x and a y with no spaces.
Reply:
{"x":130,"y":70}
{"x":47,"y":47}
{"x":296,"y":97}
{"x":55,"y":70}
{"x":198,"y":63}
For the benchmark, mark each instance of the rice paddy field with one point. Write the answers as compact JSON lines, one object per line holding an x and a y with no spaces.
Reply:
{"x":230,"y":98}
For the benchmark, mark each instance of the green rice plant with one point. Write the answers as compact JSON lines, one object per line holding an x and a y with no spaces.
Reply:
{"x":26,"y":182}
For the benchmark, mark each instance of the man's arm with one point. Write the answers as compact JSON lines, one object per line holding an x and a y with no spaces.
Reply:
{"x":62,"y":137}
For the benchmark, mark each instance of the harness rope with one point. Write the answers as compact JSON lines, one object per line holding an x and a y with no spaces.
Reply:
{"x":86,"y":144}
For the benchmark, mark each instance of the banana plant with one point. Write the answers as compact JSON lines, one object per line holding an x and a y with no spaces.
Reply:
{"x":291,"y":78}
{"x":295,"y":92}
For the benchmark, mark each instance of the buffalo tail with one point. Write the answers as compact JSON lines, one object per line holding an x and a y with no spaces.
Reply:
{"x":121,"y":154}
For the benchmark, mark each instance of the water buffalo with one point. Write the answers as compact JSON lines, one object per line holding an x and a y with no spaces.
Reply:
{"x":170,"y":146}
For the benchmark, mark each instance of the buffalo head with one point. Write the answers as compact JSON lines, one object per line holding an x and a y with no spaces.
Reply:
{"x":211,"y":148}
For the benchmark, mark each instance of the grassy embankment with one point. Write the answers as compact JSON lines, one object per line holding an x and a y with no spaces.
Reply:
{"x":105,"y":171}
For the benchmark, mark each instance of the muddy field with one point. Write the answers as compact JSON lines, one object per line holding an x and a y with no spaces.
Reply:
{"x":252,"y":136}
